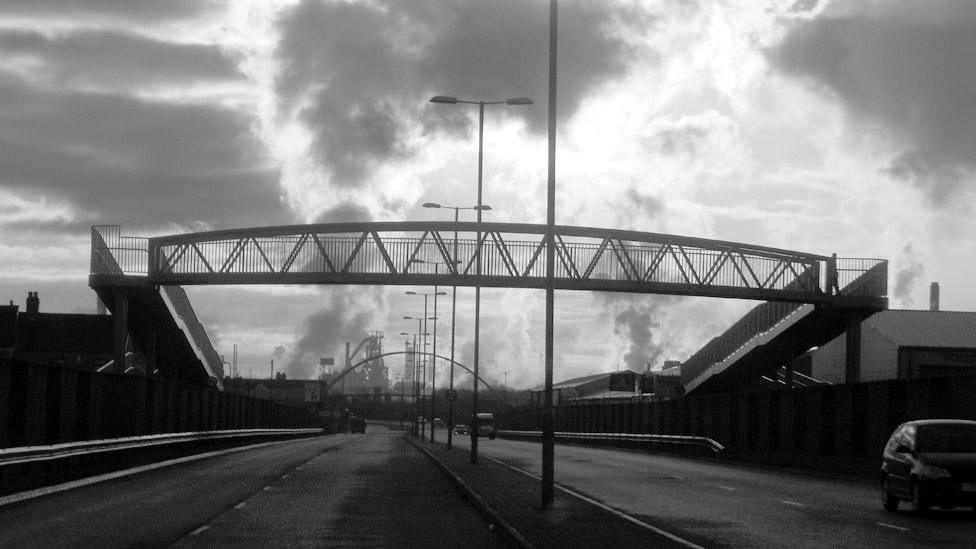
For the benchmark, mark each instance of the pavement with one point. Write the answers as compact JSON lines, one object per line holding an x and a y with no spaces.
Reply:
{"x":511,"y":500}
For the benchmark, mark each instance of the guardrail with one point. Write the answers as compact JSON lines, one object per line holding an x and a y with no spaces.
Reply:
{"x":624,"y":437}
{"x":28,"y":471}
{"x":32,"y":454}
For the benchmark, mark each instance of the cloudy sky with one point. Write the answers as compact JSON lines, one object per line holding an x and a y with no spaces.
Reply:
{"x":845,"y":126}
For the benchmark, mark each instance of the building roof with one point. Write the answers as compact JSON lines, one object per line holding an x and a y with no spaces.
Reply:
{"x":577,"y":381}
{"x":948,"y":329}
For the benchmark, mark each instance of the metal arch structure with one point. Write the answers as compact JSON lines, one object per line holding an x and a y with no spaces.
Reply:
{"x":407,"y":253}
{"x":364,"y":361}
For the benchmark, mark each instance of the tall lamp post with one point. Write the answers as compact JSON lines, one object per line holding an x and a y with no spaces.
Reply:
{"x":477,"y":287}
{"x":433,"y":372}
{"x":413,"y":419}
{"x":455,"y":261}
{"x":422,"y":341}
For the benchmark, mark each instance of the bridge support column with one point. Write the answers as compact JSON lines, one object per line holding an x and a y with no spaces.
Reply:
{"x":852,"y":358}
{"x":120,"y":330}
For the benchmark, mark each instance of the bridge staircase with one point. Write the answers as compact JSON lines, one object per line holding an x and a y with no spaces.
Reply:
{"x":772,"y":334}
{"x":158,"y":320}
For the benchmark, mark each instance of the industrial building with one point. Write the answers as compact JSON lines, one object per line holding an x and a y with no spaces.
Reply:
{"x":902,"y":344}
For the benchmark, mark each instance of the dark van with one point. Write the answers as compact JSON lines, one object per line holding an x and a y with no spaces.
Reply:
{"x":486,"y":425}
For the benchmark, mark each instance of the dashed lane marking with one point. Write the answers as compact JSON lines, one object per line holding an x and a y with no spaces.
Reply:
{"x":793,"y":503}
{"x":200,"y":530}
{"x":893,"y":526}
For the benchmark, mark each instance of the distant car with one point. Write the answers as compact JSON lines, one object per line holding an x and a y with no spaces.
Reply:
{"x":438,"y":422}
{"x":930,"y":462}
{"x":357,"y":425}
{"x":486,"y":425}
{"x":462,"y":430}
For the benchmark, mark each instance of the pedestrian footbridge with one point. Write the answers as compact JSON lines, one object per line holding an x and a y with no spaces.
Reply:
{"x":511,"y":255}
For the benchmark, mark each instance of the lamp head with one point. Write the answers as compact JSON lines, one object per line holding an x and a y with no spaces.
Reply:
{"x":431,"y":205}
{"x":411,"y":292}
{"x":443,"y":99}
{"x":518,"y":101}
{"x":483,"y":207}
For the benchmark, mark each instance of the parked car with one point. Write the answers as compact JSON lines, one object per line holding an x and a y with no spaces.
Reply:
{"x":462,"y":430}
{"x":930,"y":462}
{"x":486,"y":425}
{"x":357,"y":425}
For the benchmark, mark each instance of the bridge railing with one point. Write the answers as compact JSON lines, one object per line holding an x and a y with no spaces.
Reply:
{"x":112,"y":253}
{"x":176,"y":298}
{"x":512,"y":254}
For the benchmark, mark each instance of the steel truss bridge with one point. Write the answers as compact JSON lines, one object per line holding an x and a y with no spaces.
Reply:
{"x":444,"y":253}
{"x":512,"y":255}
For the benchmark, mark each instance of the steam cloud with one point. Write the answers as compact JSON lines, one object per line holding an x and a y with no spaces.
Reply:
{"x":348,"y":316}
{"x":908,"y":275}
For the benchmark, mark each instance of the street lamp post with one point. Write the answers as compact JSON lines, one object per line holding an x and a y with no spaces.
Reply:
{"x":455,"y":262}
{"x":477,"y":287}
{"x":413,"y":419}
{"x":433,"y":383}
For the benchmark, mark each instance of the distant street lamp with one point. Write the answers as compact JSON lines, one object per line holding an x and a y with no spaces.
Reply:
{"x":433,"y":375}
{"x":454,"y":263}
{"x":477,"y":289}
{"x":413,"y":419}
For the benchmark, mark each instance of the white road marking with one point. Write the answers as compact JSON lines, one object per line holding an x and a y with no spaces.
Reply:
{"x":893,"y":526}
{"x":643,"y":471}
{"x":38,"y":492}
{"x":240,"y":505}
{"x":625,"y":516}
{"x":266,"y":488}
{"x":793,"y":503}
{"x":200,"y":530}
{"x":729,"y":488}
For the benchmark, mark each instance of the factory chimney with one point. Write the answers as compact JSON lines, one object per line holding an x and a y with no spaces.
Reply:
{"x":934,"y":297}
{"x":33,"y":304}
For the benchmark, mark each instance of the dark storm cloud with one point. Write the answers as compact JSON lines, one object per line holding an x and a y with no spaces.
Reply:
{"x":118,"y":159}
{"x":346,"y":212}
{"x":118,"y":60}
{"x":131,"y":10}
{"x":908,"y":66}
{"x":372,"y":67}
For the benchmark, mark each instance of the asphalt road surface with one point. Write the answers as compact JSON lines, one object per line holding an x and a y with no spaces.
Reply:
{"x":713,"y":504}
{"x":347,"y":490}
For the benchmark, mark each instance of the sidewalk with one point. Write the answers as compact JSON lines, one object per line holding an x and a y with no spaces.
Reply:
{"x":511,"y":500}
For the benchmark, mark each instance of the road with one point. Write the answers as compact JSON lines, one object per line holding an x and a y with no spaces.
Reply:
{"x":713,"y":504}
{"x":346,"y":490}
